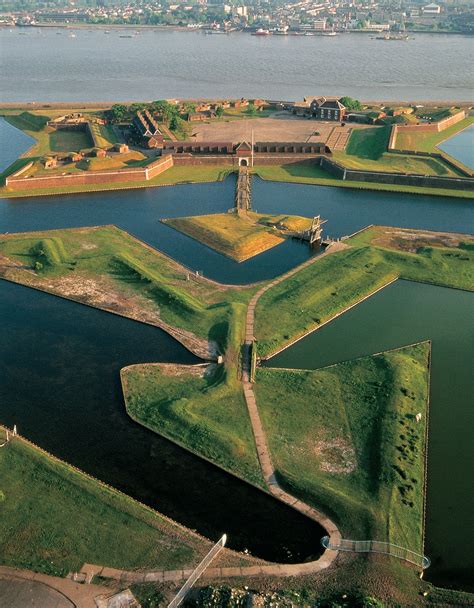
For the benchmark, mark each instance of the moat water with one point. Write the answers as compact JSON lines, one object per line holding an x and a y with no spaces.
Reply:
{"x":93,"y":66}
{"x":461,"y":146}
{"x":401,"y":314}
{"x":60,"y":384}
{"x":46,"y":340}
{"x":139,"y":212}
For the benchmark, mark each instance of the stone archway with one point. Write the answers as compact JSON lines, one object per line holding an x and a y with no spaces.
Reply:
{"x":243,"y":162}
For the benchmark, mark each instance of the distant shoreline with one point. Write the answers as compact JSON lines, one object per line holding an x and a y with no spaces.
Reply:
{"x":184,"y":28}
{"x":103,"y":105}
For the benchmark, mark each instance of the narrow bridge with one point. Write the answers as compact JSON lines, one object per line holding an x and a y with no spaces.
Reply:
{"x":243,"y":195}
{"x":377,"y":546}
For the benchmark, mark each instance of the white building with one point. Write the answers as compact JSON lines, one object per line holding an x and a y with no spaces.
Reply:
{"x":431,"y":9}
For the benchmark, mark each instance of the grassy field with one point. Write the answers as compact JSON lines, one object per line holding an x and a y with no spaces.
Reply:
{"x":104,"y":136}
{"x":69,"y":141}
{"x":315,"y":294}
{"x":54,"y":519}
{"x":108,"y":268}
{"x":397,"y":163}
{"x":367,"y":149}
{"x":368,"y":143}
{"x":239,"y":237}
{"x":300,"y":173}
{"x":344,"y":439}
{"x":428,"y":141}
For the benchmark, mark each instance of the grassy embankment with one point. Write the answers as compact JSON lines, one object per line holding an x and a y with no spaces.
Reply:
{"x":239,"y":237}
{"x":367,"y":149}
{"x":428,"y":141}
{"x":317,"y":293}
{"x":313,"y":174}
{"x":344,"y":438}
{"x":202,"y":409}
{"x":55,"y":518}
{"x":107,"y":268}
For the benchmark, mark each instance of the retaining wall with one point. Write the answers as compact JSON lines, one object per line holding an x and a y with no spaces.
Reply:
{"x":233,"y":160}
{"x":448,"y":160}
{"x":137,"y":174}
{"x":402,"y":179}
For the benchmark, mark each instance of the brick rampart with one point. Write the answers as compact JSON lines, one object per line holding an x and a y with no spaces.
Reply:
{"x":138,"y":174}
{"x":233,"y":161}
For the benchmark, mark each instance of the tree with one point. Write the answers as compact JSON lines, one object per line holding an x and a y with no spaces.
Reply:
{"x":118,"y":112}
{"x":351,"y":103}
{"x":189,"y":108}
{"x":174,"y":122}
{"x":165,"y":110}
{"x":136,"y":107}
{"x":219,"y":111}
{"x":252,"y":110}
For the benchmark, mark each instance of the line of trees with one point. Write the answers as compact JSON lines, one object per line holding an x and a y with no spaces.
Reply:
{"x":165,"y":112}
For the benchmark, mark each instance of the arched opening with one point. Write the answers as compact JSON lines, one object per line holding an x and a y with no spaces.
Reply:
{"x":243,"y":162}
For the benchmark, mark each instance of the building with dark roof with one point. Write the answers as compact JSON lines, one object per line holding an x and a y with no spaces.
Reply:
{"x":323,"y":108}
{"x":147,"y":129}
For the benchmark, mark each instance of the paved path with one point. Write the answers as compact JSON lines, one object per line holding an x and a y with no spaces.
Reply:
{"x":25,"y":589}
{"x":268,"y":472}
{"x":257,"y":427}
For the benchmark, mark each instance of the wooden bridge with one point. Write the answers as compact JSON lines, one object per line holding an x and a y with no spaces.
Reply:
{"x":243,"y":195}
{"x":313,"y":235}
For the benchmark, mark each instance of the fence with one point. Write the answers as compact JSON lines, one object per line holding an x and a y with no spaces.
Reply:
{"x":376,"y":546}
{"x":216,"y":549}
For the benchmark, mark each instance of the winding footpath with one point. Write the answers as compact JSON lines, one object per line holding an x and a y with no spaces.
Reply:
{"x":88,"y":571}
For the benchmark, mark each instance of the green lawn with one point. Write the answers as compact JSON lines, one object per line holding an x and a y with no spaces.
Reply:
{"x":318,"y":292}
{"x":202,"y":409}
{"x":344,"y":439}
{"x":103,"y":135}
{"x":398,"y":163}
{"x":54,"y":519}
{"x":368,"y":143}
{"x":69,"y":141}
{"x":367,"y":149}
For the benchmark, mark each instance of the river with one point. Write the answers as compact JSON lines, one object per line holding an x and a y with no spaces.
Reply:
{"x":48,"y":64}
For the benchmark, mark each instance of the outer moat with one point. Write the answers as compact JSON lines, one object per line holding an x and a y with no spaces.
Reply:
{"x":72,"y":402}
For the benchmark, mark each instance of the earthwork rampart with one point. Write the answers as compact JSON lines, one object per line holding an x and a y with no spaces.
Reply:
{"x":134,"y":174}
{"x":401,"y":179}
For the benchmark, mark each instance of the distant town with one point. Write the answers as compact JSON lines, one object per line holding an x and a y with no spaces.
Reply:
{"x":308,"y":17}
